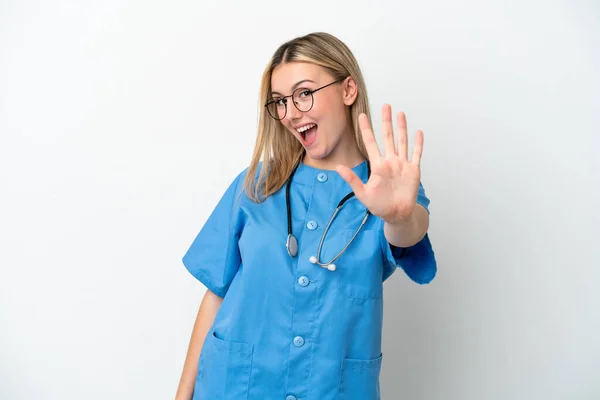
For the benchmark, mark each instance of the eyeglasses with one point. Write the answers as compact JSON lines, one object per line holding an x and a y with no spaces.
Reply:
{"x":302,"y":99}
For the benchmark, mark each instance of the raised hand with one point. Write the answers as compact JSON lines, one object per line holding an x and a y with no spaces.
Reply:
{"x":392,"y":189}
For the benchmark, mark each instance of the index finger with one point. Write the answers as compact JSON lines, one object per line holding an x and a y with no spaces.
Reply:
{"x":368,"y":137}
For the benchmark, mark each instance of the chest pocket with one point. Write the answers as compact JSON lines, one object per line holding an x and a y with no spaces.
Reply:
{"x":360,"y":267}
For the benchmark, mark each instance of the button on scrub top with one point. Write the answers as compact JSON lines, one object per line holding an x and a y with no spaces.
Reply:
{"x":288,"y":328}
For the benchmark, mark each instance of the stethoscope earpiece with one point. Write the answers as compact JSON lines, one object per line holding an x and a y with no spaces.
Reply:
{"x":329,"y":266}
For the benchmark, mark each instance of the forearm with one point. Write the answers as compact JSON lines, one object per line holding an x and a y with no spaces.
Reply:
{"x":410,"y":230}
{"x":206,"y":315}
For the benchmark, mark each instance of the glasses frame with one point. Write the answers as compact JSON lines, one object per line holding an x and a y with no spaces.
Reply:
{"x":285,"y":102}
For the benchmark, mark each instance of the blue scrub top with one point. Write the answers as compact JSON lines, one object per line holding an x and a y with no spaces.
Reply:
{"x":289,"y":329}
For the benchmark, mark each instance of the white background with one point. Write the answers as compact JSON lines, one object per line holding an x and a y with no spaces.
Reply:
{"x":122,"y":123}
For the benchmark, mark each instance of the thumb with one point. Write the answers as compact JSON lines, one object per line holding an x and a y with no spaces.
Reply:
{"x":352,"y":179}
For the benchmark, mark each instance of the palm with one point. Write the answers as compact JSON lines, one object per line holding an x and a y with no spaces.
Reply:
{"x":391,"y":191}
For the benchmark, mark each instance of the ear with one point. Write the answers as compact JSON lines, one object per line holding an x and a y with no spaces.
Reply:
{"x":350,"y":91}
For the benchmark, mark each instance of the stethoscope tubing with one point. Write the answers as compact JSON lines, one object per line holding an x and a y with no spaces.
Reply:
{"x":292,"y":242}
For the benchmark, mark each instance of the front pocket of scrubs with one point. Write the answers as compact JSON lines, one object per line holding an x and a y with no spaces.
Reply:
{"x":224,"y":369}
{"x":360,"y":379}
{"x":359,"y":268}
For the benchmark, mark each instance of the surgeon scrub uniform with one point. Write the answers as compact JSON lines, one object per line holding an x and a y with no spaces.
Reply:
{"x":289,"y":329}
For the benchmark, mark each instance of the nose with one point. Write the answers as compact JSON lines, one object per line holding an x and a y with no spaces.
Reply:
{"x":292,"y":112}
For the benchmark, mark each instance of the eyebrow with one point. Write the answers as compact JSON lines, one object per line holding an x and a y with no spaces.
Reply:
{"x":295,"y":85}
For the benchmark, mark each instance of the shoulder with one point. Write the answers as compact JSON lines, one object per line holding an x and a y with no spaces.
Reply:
{"x":239,"y":183}
{"x":243,"y":174}
{"x":240,"y":176}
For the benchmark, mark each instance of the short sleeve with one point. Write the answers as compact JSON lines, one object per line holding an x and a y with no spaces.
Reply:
{"x":417,"y":261}
{"x":214,"y":256}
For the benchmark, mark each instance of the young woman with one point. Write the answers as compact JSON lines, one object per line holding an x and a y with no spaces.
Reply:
{"x":295,"y":254}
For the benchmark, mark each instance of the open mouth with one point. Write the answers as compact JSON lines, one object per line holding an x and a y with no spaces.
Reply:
{"x":308,"y":133}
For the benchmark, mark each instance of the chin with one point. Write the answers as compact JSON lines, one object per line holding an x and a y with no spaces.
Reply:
{"x":317,"y":154}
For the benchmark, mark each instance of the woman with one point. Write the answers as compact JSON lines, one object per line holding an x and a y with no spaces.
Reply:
{"x":294,"y":304}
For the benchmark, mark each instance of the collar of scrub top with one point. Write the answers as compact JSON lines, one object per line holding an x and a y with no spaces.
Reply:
{"x":292,"y":243}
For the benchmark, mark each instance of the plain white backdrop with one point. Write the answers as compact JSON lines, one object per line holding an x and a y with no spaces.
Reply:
{"x":122,"y":123}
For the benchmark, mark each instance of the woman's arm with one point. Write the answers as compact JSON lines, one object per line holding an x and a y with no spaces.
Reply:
{"x":206,"y":315}
{"x":409,"y":231}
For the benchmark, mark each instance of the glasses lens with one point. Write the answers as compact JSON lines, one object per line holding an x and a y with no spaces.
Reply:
{"x":276,"y":109}
{"x":303,"y":99}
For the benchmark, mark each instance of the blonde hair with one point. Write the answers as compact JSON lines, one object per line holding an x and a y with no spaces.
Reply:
{"x":280,"y":151}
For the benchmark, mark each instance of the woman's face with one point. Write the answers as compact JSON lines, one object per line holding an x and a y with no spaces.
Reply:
{"x":329,"y":130}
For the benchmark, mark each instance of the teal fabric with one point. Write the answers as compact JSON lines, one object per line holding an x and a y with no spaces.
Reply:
{"x":289,"y":329}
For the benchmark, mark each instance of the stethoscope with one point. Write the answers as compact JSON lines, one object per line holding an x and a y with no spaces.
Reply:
{"x":292,"y":243}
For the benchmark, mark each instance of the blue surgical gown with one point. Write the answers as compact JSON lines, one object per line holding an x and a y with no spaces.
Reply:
{"x":288,"y":329}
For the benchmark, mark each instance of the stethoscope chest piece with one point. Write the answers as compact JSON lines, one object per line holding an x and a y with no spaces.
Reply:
{"x":292,"y":245}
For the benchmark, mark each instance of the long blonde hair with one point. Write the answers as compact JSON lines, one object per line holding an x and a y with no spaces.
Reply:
{"x":280,"y":151}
